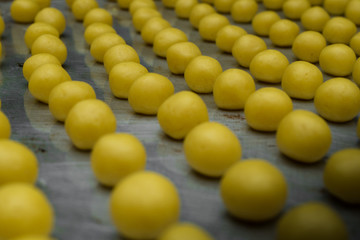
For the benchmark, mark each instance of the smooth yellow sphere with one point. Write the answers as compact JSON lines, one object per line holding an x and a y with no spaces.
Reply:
{"x":313,"y":221}
{"x":95,"y":30}
{"x":339,"y":30}
{"x":266,"y":107}
{"x":293,"y":9}
{"x":180,"y":54}
{"x":303,"y":136}
{"x":119,"y":53}
{"x":201,"y":73}
{"x":122,"y":76}
{"x":142,"y":15}
{"x":355,"y":43}
{"x":148,"y":92}
{"x":98,"y":15}
{"x":262,"y":22}
{"x":183,"y":8}
{"x":169,"y":3}
{"x":80,"y":8}
{"x":24,"y":11}
{"x":115,"y":156}
{"x":48,"y":43}
{"x":337,"y":60}
{"x":137,"y":217}
{"x":166,"y":38}
{"x":211,"y":148}
{"x":314,"y":18}
{"x":352,"y":11}
{"x":35,"y":30}
{"x":210,"y":25}
{"x":5,"y":127}
{"x":52,"y":16}
{"x":102,"y":43}
{"x":37,"y":215}
{"x":173,"y":114}
{"x":283,"y":33}
{"x":184,"y":230}
{"x":198,"y":12}
{"x":2,"y":25}
{"x":342,"y":175}
{"x":269,"y":66}
{"x":253,"y":190}
{"x":152,"y":27}
{"x":335,"y":7}
{"x":301,"y":80}
{"x":227,"y":36}
{"x":137,"y":4}
{"x":356,"y":72}
{"x":246,"y":47}
{"x":87,"y":121}
{"x":35,"y":61}
{"x":33,"y":237}
{"x":65,"y":95}
{"x":243,"y":10}
{"x":338,"y":100}
{"x":44,"y":79}
{"x":17,"y":163}
{"x":273,"y":4}
{"x":223,"y":6}
{"x":308,"y":45}
{"x":232,"y":88}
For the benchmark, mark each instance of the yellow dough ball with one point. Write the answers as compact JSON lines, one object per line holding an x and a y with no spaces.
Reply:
{"x":180,"y":54}
{"x":137,"y":4}
{"x":211,"y":148}
{"x":48,"y":43}
{"x":124,"y":4}
{"x":265,"y":108}
{"x":342,"y":175}
{"x":142,"y":15}
{"x":65,"y":95}
{"x":293,"y":9}
{"x":269,"y":66}
{"x":262,"y":22}
{"x":37,"y":215}
{"x":137,"y":217}
{"x":87,"y":121}
{"x":283,"y":32}
{"x":98,"y":15}
{"x":356,"y":72}
{"x":35,"y":30}
{"x":338,"y":100}
{"x":352,"y":11}
{"x":33,"y":237}
{"x":122,"y":76}
{"x":355,"y":43}
{"x":173,"y":114}
{"x":301,"y":80}
{"x":335,"y":7}
{"x":273,"y":4}
{"x":184,"y":230}
{"x":210,"y":25}
{"x":253,"y":190}
{"x":246,"y":47}
{"x":183,"y":8}
{"x":17,"y":163}
{"x":232,"y":88}
{"x":148,"y":92}
{"x":201,"y":73}
{"x":35,"y":61}
{"x":102,"y":43}
{"x":198,"y":12}
{"x":311,"y":220}
{"x":5,"y":127}
{"x":308,"y":45}
{"x":2,"y":25}
{"x":243,"y":10}
{"x":95,"y":30}
{"x":223,"y":6}
{"x":337,"y":59}
{"x":80,"y":8}
{"x":166,"y":38}
{"x":44,"y":79}
{"x":24,"y":11}
{"x":339,"y":30}
{"x":314,"y":18}
{"x":52,"y":16}
{"x":119,"y":53}
{"x":169,"y":3}
{"x":115,"y":156}
{"x":152,"y":27}
{"x":303,"y":136}
{"x":227,"y":36}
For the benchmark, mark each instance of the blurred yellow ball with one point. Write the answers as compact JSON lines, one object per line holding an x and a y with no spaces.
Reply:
{"x":98,"y":15}
{"x":52,"y":16}
{"x":5,"y":127}
{"x":24,"y":11}
{"x":37,"y":29}
{"x":35,"y":61}
{"x":184,"y":230}
{"x":80,"y":8}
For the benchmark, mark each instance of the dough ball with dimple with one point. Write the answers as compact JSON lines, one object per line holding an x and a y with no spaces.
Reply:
{"x":183,"y":8}
{"x":293,"y":9}
{"x":223,"y":6}
{"x":246,"y":47}
{"x":301,"y":80}
{"x":198,"y":12}
{"x":243,"y":10}
{"x":137,"y":4}
{"x":211,"y":148}
{"x":355,"y":43}
{"x":148,"y":92}
{"x":184,"y":230}
{"x":201,"y":73}
{"x":122,"y":76}
{"x":315,"y":18}
{"x":227,"y":36}
{"x":339,"y":30}
{"x":308,"y":45}
{"x":337,"y":59}
{"x":180,"y":54}
{"x":80,"y":8}
{"x":335,"y":7}
{"x":48,"y":43}
{"x":65,"y":95}
{"x":98,"y":15}
{"x":269,"y":66}
{"x":44,"y":79}
{"x":142,"y":15}
{"x":36,"y":61}
{"x":263,"y":21}
{"x":266,"y":107}
{"x":152,"y":27}
{"x":87,"y":121}
{"x":52,"y":16}
{"x":273,"y":4}
{"x":338,"y":100}
{"x":180,"y":113}
{"x":24,"y":11}
{"x":232,"y":88}
{"x":352,"y":11}
{"x":96,"y":29}
{"x":166,"y":38}
{"x":119,"y":53}
{"x":102,"y":43}
{"x":5,"y":127}
{"x":210,"y":25}
{"x":356,"y":72}
{"x":283,"y":33}
{"x":35,"y":30}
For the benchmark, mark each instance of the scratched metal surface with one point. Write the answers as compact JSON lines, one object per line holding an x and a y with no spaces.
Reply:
{"x":81,"y":204}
